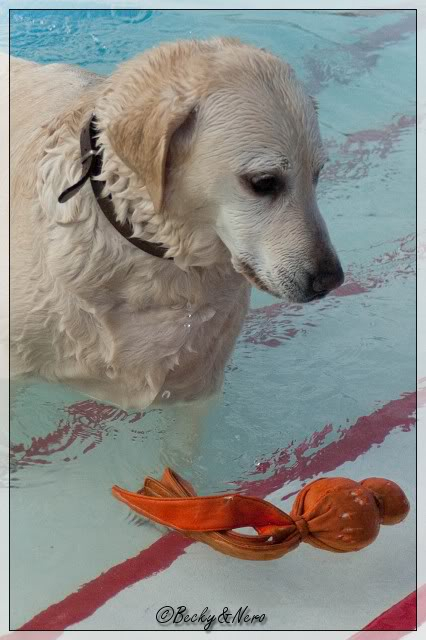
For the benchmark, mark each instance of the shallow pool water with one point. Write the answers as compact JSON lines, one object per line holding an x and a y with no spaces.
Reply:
{"x":325,"y":388}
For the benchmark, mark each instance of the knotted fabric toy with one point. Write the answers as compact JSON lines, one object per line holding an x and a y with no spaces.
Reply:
{"x":334,"y":514}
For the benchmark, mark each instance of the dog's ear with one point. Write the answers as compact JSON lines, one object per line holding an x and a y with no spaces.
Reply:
{"x":142,"y":137}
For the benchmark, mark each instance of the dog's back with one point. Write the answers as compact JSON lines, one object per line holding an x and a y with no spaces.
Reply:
{"x":40,"y":92}
{"x":38,"y":95}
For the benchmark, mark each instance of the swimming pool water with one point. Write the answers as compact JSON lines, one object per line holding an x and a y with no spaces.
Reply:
{"x":309,"y":388}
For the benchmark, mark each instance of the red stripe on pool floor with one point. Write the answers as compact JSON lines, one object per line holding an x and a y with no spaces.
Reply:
{"x":358,"y":439}
{"x":369,"y":430}
{"x":87,"y":421}
{"x":405,"y":615}
{"x":402,"y":615}
{"x":82,"y":603}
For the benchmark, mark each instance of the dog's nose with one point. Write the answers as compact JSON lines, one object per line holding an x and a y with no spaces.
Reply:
{"x":328,"y":279}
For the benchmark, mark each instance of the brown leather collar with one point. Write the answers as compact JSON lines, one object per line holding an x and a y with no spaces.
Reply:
{"x":91,"y":160}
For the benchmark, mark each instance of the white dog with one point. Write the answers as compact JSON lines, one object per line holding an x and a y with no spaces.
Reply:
{"x":143,"y":205}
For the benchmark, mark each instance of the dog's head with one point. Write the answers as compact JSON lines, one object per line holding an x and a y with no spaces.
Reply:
{"x":225,"y":137}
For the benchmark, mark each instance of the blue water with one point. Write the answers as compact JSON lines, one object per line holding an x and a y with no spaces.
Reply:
{"x":295,"y":369}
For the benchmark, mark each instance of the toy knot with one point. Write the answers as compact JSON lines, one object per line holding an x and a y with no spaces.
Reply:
{"x":302,"y":527}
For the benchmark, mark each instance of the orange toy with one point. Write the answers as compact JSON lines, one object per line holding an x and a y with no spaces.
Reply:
{"x":334,"y":514}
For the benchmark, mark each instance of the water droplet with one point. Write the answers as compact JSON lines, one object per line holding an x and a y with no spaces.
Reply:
{"x":166,"y":394}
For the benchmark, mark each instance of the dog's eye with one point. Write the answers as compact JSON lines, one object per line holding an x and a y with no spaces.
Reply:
{"x":316,"y":175}
{"x":265,"y":185}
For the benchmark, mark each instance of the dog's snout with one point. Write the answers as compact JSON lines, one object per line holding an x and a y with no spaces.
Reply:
{"x":327,"y":279}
